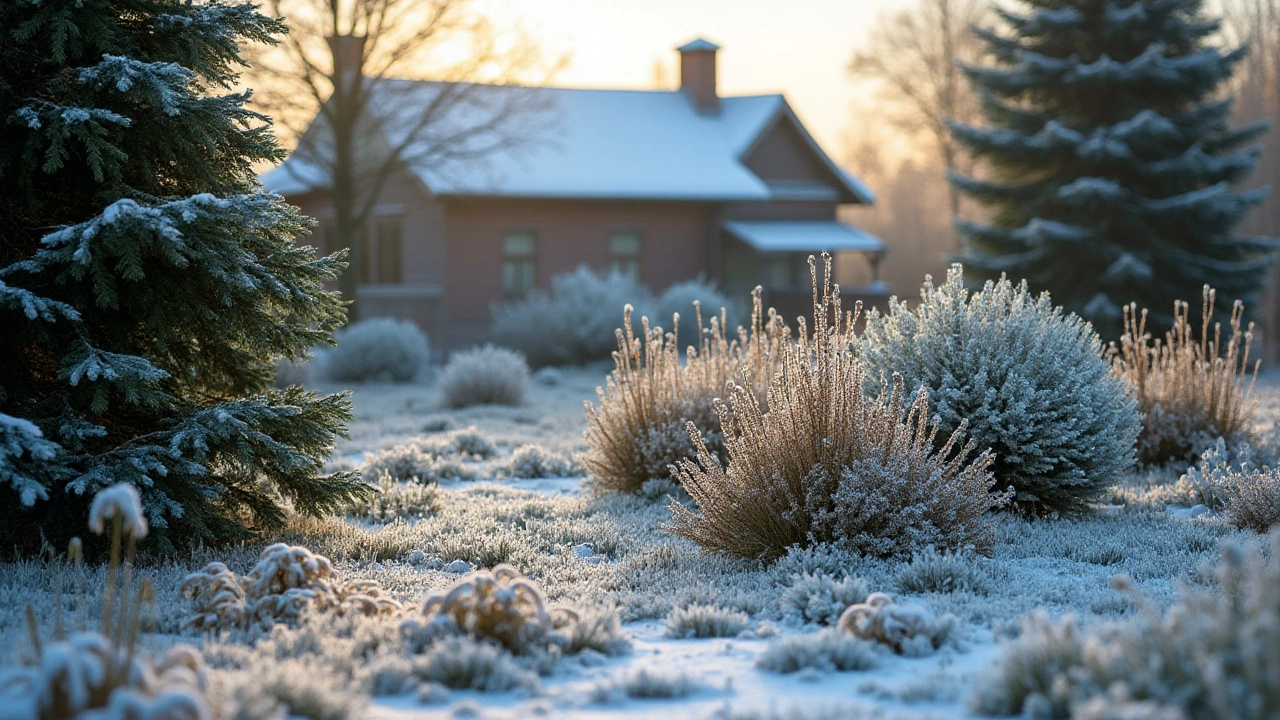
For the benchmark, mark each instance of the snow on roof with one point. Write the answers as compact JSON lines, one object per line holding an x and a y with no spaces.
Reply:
{"x":803,"y":235}
{"x":698,"y":44}
{"x":620,"y":144}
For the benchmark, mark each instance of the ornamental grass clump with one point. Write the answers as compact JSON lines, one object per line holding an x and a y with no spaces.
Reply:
{"x":827,"y":463}
{"x":1028,"y":380}
{"x":639,"y":429}
{"x":1190,"y":390}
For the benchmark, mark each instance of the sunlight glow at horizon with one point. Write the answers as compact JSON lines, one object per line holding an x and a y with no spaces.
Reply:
{"x":800,"y":47}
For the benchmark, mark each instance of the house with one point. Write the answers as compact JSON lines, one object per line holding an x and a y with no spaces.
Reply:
{"x":663,"y":186}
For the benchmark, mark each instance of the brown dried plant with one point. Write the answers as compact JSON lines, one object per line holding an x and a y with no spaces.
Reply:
{"x":1191,"y":391}
{"x":638,"y":431}
{"x":827,"y":463}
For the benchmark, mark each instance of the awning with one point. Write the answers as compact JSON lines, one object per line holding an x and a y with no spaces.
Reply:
{"x":803,"y":236}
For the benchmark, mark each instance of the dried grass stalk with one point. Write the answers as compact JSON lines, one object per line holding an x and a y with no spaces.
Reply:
{"x":1189,"y":391}
{"x":638,"y":430}
{"x":827,"y":463}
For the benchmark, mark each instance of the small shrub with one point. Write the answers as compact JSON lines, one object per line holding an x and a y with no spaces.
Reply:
{"x":649,"y":685}
{"x":485,"y":375}
{"x":413,"y":463}
{"x":931,"y":571}
{"x":462,"y":663}
{"x":705,"y":621}
{"x":691,"y":297}
{"x":1249,"y":495}
{"x":502,"y":606}
{"x":571,"y":324}
{"x":395,"y":501}
{"x":827,"y":463}
{"x":597,"y":628}
{"x":285,"y":583}
{"x":1188,"y":391}
{"x":908,"y":630}
{"x":534,"y":461}
{"x":821,"y":598}
{"x":639,"y":430}
{"x":378,"y":349}
{"x":1212,"y":655}
{"x":826,"y":651}
{"x":1026,"y":380}
{"x":299,"y":689}
{"x":469,"y":442}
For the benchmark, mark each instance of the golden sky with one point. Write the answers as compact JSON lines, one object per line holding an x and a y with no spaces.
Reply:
{"x":799,"y":47}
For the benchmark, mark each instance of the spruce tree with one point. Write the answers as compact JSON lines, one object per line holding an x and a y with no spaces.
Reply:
{"x":1110,"y":158}
{"x":147,"y":283}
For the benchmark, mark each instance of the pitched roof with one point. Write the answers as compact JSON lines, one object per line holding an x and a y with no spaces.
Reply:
{"x":617,"y":144}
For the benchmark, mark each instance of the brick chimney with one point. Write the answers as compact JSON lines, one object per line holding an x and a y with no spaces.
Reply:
{"x":348,"y":54}
{"x":698,"y":74}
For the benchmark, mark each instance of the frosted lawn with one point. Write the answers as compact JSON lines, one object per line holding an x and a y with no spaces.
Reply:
{"x":591,"y":552}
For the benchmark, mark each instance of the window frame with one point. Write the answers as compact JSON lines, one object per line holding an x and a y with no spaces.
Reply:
{"x":636,"y":259}
{"x":527,"y":263}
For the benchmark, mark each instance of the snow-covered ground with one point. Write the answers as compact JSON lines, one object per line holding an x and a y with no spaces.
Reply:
{"x":588,"y":551}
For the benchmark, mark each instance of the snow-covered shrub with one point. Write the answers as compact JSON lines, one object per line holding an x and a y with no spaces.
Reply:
{"x":296,"y":688}
{"x":640,"y":429}
{"x":412,"y":463}
{"x":1212,"y":655}
{"x":462,"y":663}
{"x":378,"y":350}
{"x":286,"y":582}
{"x":820,"y":598}
{"x":907,"y":629}
{"x":827,"y":651}
{"x":535,"y":461}
{"x":646,"y":684}
{"x":486,"y":375}
{"x":396,"y":500}
{"x":571,"y":324}
{"x":1029,"y":381}
{"x":705,"y":621}
{"x":1188,"y":390}
{"x":692,"y":298}
{"x":931,"y":571}
{"x":499,"y":605}
{"x":468,"y":442}
{"x":828,"y":463}
{"x":1229,"y":479}
{"x":597,"y":628}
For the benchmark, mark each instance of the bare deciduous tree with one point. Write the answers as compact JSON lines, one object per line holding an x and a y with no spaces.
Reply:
{"x":339,"y":85}
{"x":911,"y":55}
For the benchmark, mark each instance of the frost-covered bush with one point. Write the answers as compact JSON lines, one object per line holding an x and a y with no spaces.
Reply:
{"x":820,"y":598}
{"x":1212,"y":655}
{"x":650,"y":685}
{"x":1230,"y":480}
{"x":571,"y":324}
{"x":828,"y":463}
{"x":298,"y":689}
{"x":396,"y":500}
{"x":468,"y":442}
{"x":827,"y":651}
{"x":1188,"y":390}
{"x":535,"y":461}
{"x":486,"y":375}
{"x":705,"y":621}
{"x":463,"y":663}
{"x":287,"y":582}
{"x":377,"y":349}
{"x":412,"y":463}
{"x":501,"y":605}
{"x":932,"y":571}
{"x":692,"y":298}
{"x":597,"y":628}
{"x":906,"y":629}
{"x":1028,"y":380}
{"x":640,"y":428}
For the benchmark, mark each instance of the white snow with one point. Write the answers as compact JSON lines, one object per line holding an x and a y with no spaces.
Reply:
{"x":121,"y":500}
{"x":588,"y":144}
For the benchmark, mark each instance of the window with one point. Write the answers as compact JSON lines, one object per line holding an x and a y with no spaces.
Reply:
{"x":624,"y":253}
{"x":382,"y":266}
{"x":519,"y":256}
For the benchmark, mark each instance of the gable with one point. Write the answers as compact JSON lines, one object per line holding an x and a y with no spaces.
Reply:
{"x":781,"y":155}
